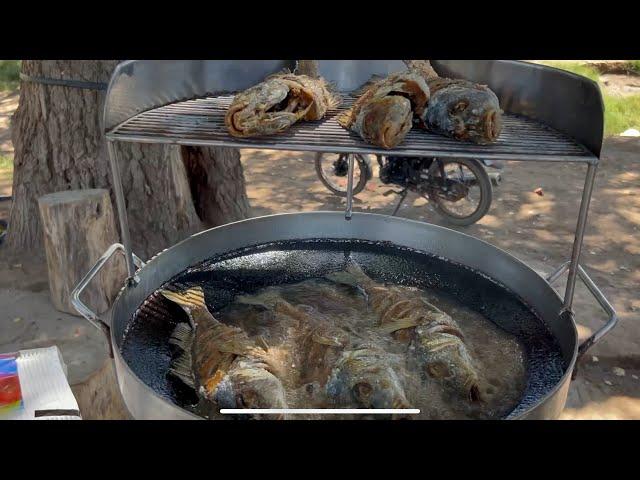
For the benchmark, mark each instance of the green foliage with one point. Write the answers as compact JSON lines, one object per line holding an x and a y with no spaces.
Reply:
{"x":620,"y":113}
{"x":9,"y":74}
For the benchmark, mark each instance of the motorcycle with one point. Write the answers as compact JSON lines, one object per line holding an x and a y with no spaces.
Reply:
{"x":459,"y":188}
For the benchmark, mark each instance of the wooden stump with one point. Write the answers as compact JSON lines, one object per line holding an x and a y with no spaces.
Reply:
{"x":78,"y":226}
{"x":98,"y":396}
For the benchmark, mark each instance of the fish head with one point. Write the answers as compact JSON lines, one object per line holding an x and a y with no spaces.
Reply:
{"x":385,"y":121}
{"x":380,"y":392}
{"x":251,"y":387}
{"x":445,"y":358}
{"x":265,"y":109}
{"x":465,"y":111}
{"x":363,"y":376}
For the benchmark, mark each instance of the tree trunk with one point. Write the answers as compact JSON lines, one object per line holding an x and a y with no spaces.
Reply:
{"x":217,"y":184}
{"x":59,"y":145}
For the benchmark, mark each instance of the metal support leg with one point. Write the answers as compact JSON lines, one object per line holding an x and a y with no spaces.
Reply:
{"x":579,"y":235}
{"x":348,"y":213}
{"x":122,"y":209}
{"x":403,"y":196}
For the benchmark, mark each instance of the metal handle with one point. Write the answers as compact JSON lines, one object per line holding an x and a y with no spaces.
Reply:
{"x":81,"y":308}
{"x":600,"y":298}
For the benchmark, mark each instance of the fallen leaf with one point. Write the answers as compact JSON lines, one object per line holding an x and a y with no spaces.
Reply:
{"x":608,"y":382}
{"x":17,"y":319}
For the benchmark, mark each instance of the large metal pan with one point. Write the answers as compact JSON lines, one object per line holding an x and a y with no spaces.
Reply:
{"x":480,"y":260}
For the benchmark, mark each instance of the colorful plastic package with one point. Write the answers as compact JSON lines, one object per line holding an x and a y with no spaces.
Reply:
{"x":10,"y":392}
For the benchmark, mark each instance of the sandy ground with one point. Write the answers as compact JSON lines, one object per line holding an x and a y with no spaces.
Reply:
{"x":536,"y":229}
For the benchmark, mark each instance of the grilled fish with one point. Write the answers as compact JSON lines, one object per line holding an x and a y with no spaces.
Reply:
{"x":458,"y":108}
{"x":277,"y":103}
{"x":221,"y":362}
{"x":384,"y":113}
{"x":437,"y":339}
{"x":364,"y":376}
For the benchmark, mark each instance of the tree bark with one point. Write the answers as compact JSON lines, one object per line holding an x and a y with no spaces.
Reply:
{"x":59,"y":145}
{"x":216,"y":180}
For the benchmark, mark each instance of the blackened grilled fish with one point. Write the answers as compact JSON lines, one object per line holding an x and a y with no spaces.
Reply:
{"x":277,"y":103}
{"x":383,"y":114}
{"x":438,"y":341}
{"x":221,"y":362}
{"x":458,"y":108}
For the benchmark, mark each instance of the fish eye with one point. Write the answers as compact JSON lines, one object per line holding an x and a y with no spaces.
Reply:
{"x":438,"y":370}
{"x":460,"y":106}
{"x":362,"y":390}
{"x":248,"y":398}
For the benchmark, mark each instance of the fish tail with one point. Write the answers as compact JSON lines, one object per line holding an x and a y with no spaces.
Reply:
{"x":190,"y":300}
{"x":356,"y":270}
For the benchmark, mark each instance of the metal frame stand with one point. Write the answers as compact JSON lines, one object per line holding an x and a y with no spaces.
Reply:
{"x":572,"y":266}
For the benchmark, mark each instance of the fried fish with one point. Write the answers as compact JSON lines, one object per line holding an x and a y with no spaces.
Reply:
{"x":458,"y":108}
{"x":277,"y":103}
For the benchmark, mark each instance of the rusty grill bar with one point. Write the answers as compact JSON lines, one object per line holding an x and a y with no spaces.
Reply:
{"x":201,"y":122}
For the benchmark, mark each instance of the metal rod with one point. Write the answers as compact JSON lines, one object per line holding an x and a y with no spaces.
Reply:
{"x":579,"y":235}
{"x":122,"y":208}
{"x":403,"y":195}
{"x":329,"y":148}
{"x":348,"y":213}
{"x":606,"y":306}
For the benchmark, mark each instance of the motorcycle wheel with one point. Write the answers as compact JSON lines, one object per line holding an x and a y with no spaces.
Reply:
{"x":335,"y":179}
{"x":468,"y":193}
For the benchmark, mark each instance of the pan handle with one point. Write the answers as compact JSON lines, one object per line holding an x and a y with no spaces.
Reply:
{"x":600,"y":298}
{"x":85,"y":311}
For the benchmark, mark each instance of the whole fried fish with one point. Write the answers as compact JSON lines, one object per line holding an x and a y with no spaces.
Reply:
{"x":221,"y":362}
{"x":320,"y":343}
{"x":458,"y":108}
{"x":277,"y":103}
{"x":384,"y":113}
{"x":437,"y":339}
{"x":363,"y":375}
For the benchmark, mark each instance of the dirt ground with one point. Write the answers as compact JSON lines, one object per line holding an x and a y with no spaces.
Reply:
{"x":537,"y":229}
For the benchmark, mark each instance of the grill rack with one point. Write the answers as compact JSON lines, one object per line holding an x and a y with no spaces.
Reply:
{"x":183,"y":102}
{"x":201,"y":122}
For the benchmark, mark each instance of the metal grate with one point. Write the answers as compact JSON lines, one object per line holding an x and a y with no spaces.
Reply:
{"x":201,"y":122}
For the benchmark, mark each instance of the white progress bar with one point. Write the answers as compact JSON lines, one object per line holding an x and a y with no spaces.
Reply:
{"x":320,"y":411}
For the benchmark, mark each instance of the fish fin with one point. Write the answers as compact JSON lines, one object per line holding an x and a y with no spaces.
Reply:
{"x":267,"y":299}
{"x":181,"y":368}
{"x":182,"y":336}
{"x":262,"y":343}
{"x":343,"y":277}
{"x":422,"y":67}
{"x":190,"y":300}
{"x":345,"y":119}
{"x":334,"y":98}
{"x":279,"y":73}
{"x":356,"y":270}
{"x":400,"y":324}
{"x":325,"y":340}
